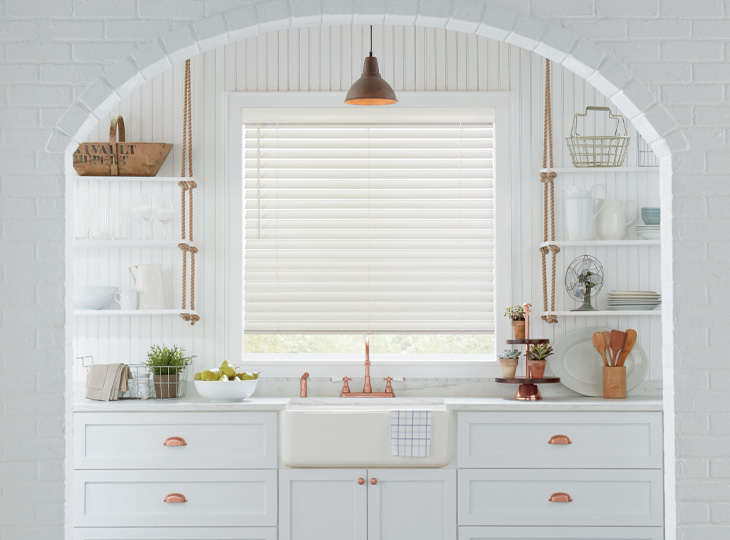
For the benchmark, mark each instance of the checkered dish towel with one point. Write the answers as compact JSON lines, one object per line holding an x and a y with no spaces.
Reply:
{"x":410,"y":433}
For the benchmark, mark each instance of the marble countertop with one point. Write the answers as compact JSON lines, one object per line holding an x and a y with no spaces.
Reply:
{"x":196,"y":403}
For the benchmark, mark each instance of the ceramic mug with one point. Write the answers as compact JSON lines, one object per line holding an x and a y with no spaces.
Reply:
{"x":127,"y":299}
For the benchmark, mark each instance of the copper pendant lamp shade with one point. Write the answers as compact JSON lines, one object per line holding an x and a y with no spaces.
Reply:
{"x":370,"y":88}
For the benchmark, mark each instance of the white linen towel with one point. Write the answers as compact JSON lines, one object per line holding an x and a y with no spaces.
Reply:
{"x":410,"y":433}
{"x":104,"y":381}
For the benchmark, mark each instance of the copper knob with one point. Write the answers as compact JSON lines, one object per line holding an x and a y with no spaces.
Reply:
{"x":560,"y":497}
{"x":373,"y":481}
{"x":361,"y":481}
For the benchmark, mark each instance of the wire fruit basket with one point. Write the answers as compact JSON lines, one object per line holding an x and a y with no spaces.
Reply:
{"x":598,"y":150}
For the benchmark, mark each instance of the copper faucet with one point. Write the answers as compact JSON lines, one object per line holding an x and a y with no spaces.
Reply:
{"x":367,"y":389}
{"x":303,"y":384}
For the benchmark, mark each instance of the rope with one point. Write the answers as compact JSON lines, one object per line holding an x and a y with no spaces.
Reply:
{"x":548,"y":199}
{"x":187,"y":186}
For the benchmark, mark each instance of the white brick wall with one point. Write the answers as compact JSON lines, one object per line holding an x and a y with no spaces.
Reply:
{"x":51,"y":50}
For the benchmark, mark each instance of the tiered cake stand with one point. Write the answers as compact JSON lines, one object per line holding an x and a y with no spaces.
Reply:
{"x":527,"y":389}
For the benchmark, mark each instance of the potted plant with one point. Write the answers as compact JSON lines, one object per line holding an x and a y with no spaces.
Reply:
{"x":508,"y":360}
{"x":166,"y":363}
{"x":537,"y":356}
{"x":517,"y":315}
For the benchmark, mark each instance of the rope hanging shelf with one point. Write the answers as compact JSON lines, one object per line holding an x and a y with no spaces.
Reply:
{"x":187,"y":246}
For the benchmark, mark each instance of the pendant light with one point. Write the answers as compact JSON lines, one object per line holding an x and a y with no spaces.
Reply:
{"x":370,"y":88}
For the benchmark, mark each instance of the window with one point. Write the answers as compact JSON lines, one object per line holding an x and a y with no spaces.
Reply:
{"x":357,"y":223}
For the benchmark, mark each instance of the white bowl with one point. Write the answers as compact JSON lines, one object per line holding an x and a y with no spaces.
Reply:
{"x":93,"y":297}
{"x":226,"y":391}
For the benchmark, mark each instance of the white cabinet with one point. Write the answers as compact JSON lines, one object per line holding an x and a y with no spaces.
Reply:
{"x":561,"y":533}
{"x":176,"y":533}
{"x":389,"y":504}
{"x":565,"y":440}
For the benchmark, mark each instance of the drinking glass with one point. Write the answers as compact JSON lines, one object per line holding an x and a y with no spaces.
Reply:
{"x":143,"y":212}
{"x":164,"y":210}
{"x":82,"y":225}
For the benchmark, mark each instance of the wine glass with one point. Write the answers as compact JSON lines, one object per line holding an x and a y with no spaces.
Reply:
{"x":143,"y":212}
{"x":164,"y":210}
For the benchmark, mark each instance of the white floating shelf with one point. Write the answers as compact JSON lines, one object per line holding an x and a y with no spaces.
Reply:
{"x":652,"y":313}
{"x":601,"y":243}
{"x":130,"y":243}
{"x":601,"y":169}
{"x":132,"y":313}
{"x":137,"y":178}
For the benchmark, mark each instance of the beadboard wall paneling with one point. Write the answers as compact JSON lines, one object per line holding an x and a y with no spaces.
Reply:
{"x":330,"y":59}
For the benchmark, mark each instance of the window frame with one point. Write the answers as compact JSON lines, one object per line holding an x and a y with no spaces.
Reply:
{"x":446,"y":106}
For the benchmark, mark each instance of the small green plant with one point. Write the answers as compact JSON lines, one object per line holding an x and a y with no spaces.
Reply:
{"x":510,"y":353}
{"x":539,"y":352}
{"x":515,"y":313}
{"x":167,"y":361}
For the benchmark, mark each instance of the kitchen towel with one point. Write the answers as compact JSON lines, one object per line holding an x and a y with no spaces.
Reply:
{"x":104,"y":381}
{"x":410,"y":433}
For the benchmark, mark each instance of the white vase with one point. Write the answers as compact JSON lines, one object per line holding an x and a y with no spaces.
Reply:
{"x":611,"y":220}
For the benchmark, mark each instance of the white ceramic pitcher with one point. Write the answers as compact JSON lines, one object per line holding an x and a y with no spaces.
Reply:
{"x":147,"y":279}
{"x":579,"y":211}
{"x":611,"y":220}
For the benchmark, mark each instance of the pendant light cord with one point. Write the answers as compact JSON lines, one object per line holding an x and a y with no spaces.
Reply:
{"x":371,"y":40}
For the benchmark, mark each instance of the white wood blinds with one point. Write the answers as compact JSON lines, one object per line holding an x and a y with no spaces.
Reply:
{"x":382,"y":228}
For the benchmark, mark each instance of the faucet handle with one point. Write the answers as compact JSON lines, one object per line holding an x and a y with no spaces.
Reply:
{"x":345,"y":385}
{"x":388,"y":380}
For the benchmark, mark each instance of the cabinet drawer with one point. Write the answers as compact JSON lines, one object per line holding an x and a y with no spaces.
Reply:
{"x":227,"y":440}
{"x":531,"y":439}
{"x":522,"y":497}
{"x":177,"y":533}
{"x":561,"y":533}
{"x":137,"y":498}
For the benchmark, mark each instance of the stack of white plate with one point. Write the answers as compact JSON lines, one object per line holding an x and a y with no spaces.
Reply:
{"x":647,"y":232}
{"x":634,"y":300}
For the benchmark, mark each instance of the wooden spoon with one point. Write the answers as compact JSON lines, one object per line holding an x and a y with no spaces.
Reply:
{"x":600,"y":345}
{"x":617,"y":343}
{"x":607,"y":339}
{"x":629,"y":343}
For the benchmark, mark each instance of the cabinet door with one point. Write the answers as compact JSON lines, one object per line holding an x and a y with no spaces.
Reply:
{"x":412,"y":504}
{"x":322,"y":504}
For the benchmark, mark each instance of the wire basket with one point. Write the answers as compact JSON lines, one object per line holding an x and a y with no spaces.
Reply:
{"x":163,"y":383}
{"x":169,"y":382}
{"x":598,"y":150}
{"x":645,"y":156}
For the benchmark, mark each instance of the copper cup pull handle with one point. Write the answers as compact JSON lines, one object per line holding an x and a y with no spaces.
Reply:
{"x":361,"y":481}
{"x":175,"y":498}
{"x":373,"y":481}
{"x":560,"y":439}
{"x":560,"y":497}
{"x":174,"y":441}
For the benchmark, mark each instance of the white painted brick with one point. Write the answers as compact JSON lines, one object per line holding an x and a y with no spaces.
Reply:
{"x":19,"y":116}
{"x":39,"y":95}
{"x":650,"y":28}
{"x":180,"y":44}
{"x":70,"y":73}
{"x":402,"y":12}
{"x":59,"y":142}
{"x":633,"y":99}
{"x":37,"y":52}
{"x":627,"y":8}
{"x":273,"y":15}
{"x":99,"y":97}
{"x":135,"y":30}
{"x":691,"y":50}
{"x":15,"y":29}
{"x":434,"y":13}
{"x":370,"y":11}
{"x":665,"y":72}
{"x":49,"y":8}
{"x":16,"y":208}
{"x":243,"y":22}
{"x":561,"y":8}
{"x":631,"y":50}
{"x":19,"y":72}
{"x":466,"y":15}
{"x":696,"y":8}
{"x":496,"y":23}
{"x":123,"y":77}
{"x":76,"y":122}
{"x":710,"y":29}
{"x":696,"y":93}
{"x":162,"y":9}
{"x":336,"y":12}
{"x":211,"y":32}
{"x":614,"y":29}
{"x":151,"y":59}
{"x":556,"y":44}
{"x":526,"y":33}
{"x":694,"y":468}
{"x":16,"y":161}
{"x":694,"y":512}
{"x":103,"y":9}
{"x":66,"y":30}
{"x":100,"y":51}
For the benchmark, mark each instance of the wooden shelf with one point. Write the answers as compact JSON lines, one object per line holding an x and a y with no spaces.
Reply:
{"x":130,"y":313}
{"x":130,"y":243}
{"x":136,"y":178}
{"x":602,"y":243}
{"x":608,"y":313}
{"x":570,"y":170}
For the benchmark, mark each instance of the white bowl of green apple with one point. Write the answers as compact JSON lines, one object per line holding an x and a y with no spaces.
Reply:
{"x":225,"y":384}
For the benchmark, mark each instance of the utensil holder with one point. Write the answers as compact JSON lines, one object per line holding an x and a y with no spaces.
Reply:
{"x":614,"y":382}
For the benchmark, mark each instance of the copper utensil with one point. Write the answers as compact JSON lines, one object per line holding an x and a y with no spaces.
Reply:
{"x":600,"y":345}
{"x":617,"y":343}
{"x":629,"y":343}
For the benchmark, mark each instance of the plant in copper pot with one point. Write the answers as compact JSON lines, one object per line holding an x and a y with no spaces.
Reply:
{"x":508,"y":360}
{"x":537,"y":356}
{"x":166,"y":363}
{"x":516,"y":314}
